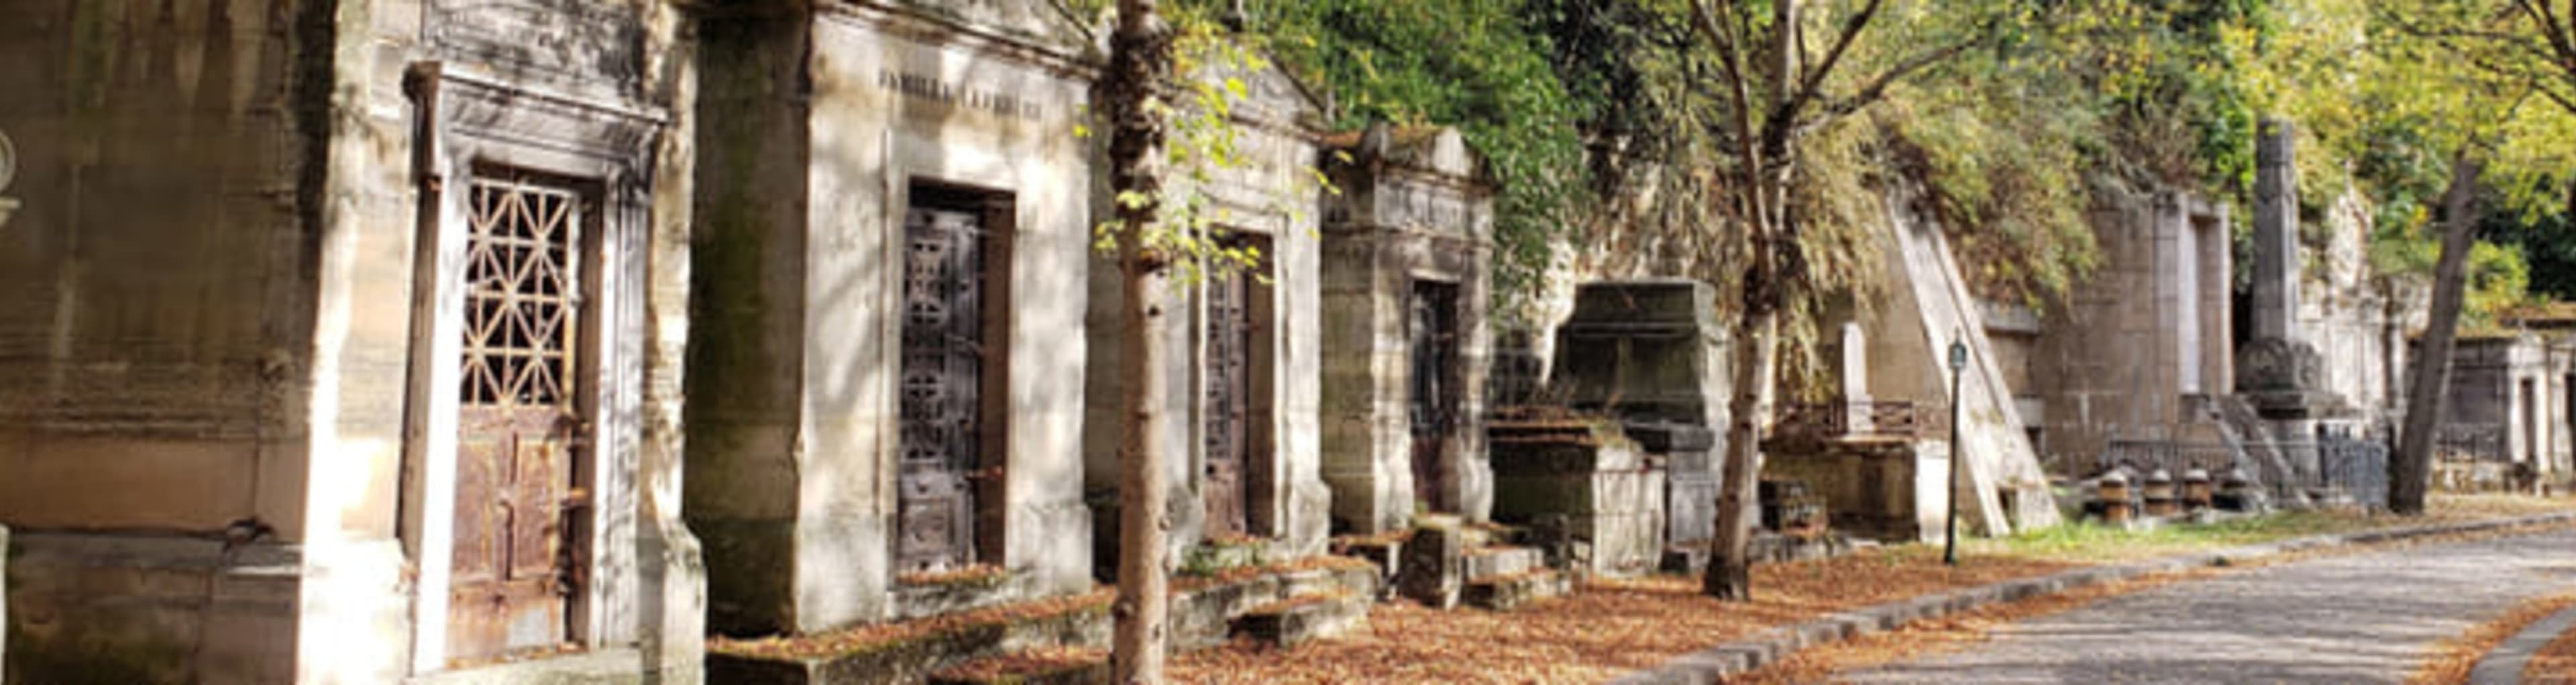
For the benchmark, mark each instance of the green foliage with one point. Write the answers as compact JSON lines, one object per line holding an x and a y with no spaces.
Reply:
{"x":1473,"y":64}
{"x":1210,"y":65}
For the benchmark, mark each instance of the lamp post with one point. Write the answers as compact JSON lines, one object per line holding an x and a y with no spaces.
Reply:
{"x":1958,"y":367}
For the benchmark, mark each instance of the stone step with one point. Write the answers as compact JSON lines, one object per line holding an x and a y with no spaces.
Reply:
{"x":1489,"y":562}
{"x":1296,"y":620}
{"x":1050,"y":666}
{"x":1505,"y":593}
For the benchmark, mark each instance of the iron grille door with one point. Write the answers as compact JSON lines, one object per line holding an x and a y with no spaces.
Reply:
{"x":1228,"y":406}
{"x":942,"y":381}
{"x":1434,"y":405}
{"x":517,"y":419}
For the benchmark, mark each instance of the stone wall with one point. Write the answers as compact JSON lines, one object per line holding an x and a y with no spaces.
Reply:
{"x":158,"y":329}
{"x":818,"y":127}
{"x":156,"y":348}
{"x":231,"y":363}
{"x":2151,"y":328}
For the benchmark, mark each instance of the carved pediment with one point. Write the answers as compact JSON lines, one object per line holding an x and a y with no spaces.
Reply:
{"x":590,"y":40}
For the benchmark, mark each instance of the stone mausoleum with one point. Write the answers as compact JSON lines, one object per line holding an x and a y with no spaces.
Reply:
{"x":1247,"y":348}
{"x":1406,"y":289}
{"x":344,"y":341}
{"x":892,"y":242}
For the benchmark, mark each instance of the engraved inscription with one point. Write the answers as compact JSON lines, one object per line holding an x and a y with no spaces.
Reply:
{"x":932,"y":90}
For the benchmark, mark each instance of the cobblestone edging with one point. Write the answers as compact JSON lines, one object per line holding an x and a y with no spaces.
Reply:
{"x":1716,"y":664}
{"x":2504,"y":664}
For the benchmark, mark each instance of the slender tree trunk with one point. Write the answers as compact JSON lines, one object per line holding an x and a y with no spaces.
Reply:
{"x":1140,"y":56}
{"x":2410,"y":470}
{"x":1767,"y":197}
{"x":1730,"y":567}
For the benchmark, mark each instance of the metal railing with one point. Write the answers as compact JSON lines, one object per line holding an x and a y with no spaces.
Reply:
{"x":1875,"y":418}
{"x":2471,"y":442}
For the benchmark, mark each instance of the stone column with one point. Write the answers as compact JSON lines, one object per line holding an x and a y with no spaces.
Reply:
{"x":2276,"y":234}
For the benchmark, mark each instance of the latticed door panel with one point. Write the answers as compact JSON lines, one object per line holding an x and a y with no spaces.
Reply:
{"x":518,"y":417}
{"x":1228,"y":403}
{"x":942,"y":422}
{"x":1433,"y":338}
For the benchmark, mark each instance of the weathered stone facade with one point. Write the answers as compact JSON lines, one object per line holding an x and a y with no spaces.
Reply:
{"x":1926,"y":307}
{"x":2507,"y":403}
{"x":2135,"y":350}
{"x":262,"y":362}
{"x":1246,"y":390}
{"x":891,"y":240}
{"x":1406,"y":285}
{"x":1651,"y":353}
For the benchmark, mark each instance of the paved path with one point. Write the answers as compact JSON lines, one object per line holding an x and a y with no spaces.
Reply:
{"x":2343,"y":619}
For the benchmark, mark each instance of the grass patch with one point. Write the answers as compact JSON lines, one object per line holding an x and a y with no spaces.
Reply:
{"x":2094,"y":543}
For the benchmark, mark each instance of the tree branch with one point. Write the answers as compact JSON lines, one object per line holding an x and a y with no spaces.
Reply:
{"x":1815,"y":79}
{"x":1878,"y":88}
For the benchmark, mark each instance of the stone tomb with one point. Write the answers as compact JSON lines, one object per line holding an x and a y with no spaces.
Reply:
{"x":885,"y":398}
{"x":1405,"y":290}
{"x":2502,"y":400}
{"x":1651,"y":353}
{"x":1247,"y":345}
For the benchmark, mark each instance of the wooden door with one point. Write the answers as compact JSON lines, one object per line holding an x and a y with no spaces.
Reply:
{"x":943,"y":382}
{"x":515,"y":569}
{"x":1433,"y":325}
{"x":1229,"y":430}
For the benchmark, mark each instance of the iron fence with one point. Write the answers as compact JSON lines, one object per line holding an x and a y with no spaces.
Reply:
{"x":2354,"y":467}
{"x":1876,"y":418}
{"x":2471,"y":442}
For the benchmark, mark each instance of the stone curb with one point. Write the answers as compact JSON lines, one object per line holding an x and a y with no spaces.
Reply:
{"x":2504,"y":664}
{"x":1716,"y":664}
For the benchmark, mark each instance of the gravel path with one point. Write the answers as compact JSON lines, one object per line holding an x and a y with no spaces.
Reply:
{"x":2343,"y":619}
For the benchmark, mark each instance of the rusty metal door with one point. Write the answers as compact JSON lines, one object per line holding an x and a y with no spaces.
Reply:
{"x":515,"y":569}
{"x":943,"y":368}
{"x":1228,"y":405}
{"x":1434,"y":406}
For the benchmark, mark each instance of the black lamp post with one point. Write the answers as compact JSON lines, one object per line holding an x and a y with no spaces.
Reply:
{"x":1958,"y":367}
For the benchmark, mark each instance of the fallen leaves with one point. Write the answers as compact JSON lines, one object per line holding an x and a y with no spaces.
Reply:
{"x":1932,"y":636}
{"x":1604,"y":630}
{"x":2450,"y":660}
{"x":872,"y":637}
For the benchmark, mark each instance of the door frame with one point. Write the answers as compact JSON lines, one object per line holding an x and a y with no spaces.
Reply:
{"x":1265,"y":305}
{"x":990,"y":492}
{"x":465,"y":120}
{"x":1446,"y":467}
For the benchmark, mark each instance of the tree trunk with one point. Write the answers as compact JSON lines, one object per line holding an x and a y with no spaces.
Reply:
{"x":2410,"y":470}
{"x":1769,"y":197}
{"x":1730,"y":565}
{"x":1140,"y":56}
